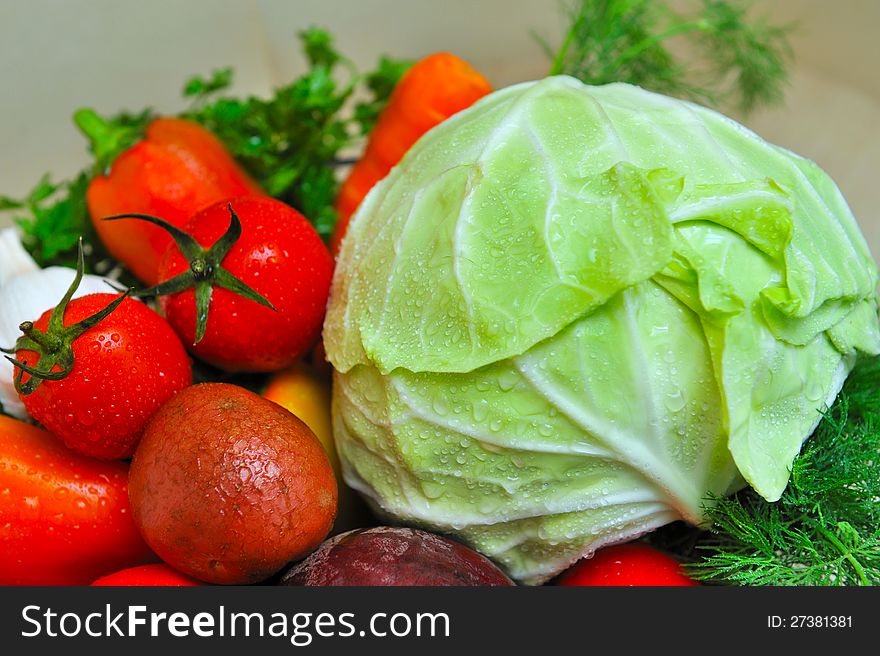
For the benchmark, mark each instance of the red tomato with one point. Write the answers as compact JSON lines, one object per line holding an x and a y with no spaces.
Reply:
{"x":632,"y":564}
{"x":64,"y":518}
{"x":125,"y":367}
{"x":281,"y":257}
{"x":154,"y":574}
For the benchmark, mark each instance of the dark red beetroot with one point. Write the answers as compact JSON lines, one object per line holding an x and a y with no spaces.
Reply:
{"x":394,"y":556}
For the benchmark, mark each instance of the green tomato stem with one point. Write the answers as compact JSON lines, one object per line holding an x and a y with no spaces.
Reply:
{"x":105,"y":139}
{"x":205,"y":268}
{"x":55,"y":346}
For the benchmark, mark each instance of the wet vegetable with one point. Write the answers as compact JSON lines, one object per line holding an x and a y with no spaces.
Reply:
{"x":386,"y":555}
{"x":573,"y":312}
{"x":228,"y":487}
{"x":65,"y":518}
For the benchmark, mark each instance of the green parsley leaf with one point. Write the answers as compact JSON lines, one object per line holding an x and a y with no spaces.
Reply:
{"x":56,"y":217}
{"x":199,"y":88}
{"x":290,"y":143}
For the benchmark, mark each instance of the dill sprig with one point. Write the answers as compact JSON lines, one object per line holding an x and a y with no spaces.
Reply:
{"x":825,"y":530}
{"x":727,"y":57}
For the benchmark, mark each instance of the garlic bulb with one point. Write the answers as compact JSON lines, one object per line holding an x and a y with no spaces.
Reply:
{"x":26,"y":291}
{"x":14,"y":260}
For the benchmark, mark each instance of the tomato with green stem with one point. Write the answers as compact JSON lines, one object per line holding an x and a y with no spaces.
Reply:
{"x":245,"y":285}
{"x":93,"y":370}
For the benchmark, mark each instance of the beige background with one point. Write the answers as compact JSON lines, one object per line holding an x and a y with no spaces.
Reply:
{"x":58,"y":55}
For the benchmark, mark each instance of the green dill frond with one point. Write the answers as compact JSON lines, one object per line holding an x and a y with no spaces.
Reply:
{"x":725,"y":56}
{"x":825,"y":530}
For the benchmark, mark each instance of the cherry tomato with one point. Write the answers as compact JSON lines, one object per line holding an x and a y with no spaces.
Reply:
{"x":124,"y":368}
{"x":65,"y":519}
{"x":147,"y":575}
{"x":279,"y":256}
{"x":632,"y":564}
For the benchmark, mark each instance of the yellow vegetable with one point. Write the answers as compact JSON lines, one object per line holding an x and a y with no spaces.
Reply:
{"x":306,"y":394}
{"x":305,"y":391}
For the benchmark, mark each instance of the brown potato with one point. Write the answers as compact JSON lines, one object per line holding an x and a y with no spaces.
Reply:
{"x":228,"y":487}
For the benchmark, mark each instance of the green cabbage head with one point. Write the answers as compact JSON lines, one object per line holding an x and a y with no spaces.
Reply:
{"x":572,"y":312}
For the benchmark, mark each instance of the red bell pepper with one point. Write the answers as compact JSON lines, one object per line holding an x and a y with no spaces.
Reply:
{"x":65,"y":518}
{"x":177,"y":169}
